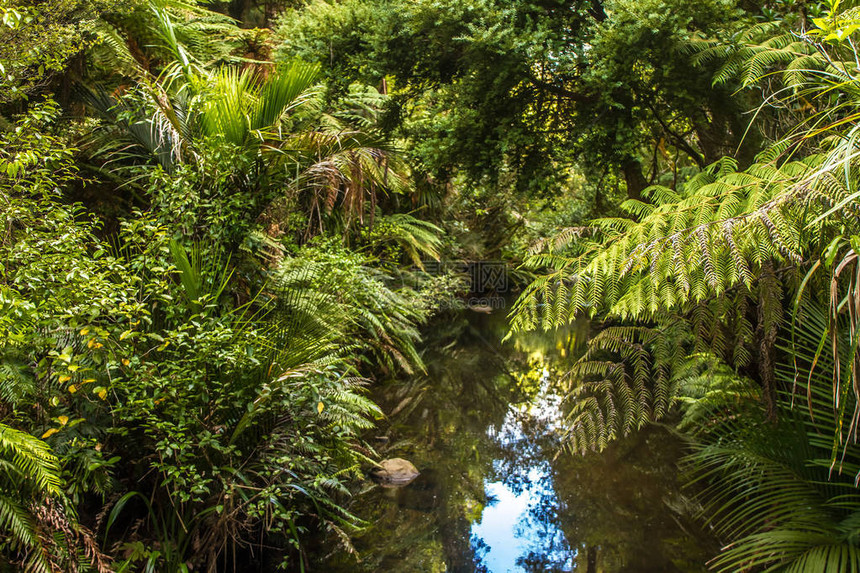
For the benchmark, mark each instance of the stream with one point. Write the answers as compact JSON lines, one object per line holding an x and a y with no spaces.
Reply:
{"x":483,"y":428}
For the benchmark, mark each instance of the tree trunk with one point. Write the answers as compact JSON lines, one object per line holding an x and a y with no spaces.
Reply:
{"x":591,"y":560}
{"x":238,"y":9}
{"x":769,"y":317}
{"x":634,"y":179}
{"x":597,"y":11}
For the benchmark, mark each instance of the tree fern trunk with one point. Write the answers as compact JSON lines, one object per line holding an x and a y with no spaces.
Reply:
{"x":769,"y":318}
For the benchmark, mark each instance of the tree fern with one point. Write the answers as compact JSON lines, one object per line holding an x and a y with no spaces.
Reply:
{"x":29,"y":470}
{"x":627,"y":378}
{"x":17,"y":383}
{"x":715,"y":238}
{"x":418,"y":239}
{"x":359,"y":303}
{"x":726,"y":250}
{"x":784,"y":498}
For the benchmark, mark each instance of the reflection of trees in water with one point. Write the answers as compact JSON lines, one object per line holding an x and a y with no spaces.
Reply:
{"x":616,"y":508}
{"x":613,"y":508}
{"x":480,"y":549}
{"x":605,"y":512}
{"x":548,"y":549}
{"x":528,"y":441}
{"x":440,"y":424}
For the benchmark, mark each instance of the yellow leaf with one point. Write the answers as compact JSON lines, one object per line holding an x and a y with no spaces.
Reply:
{"x":63,"y":420}
{"x":50,"y":433}
{"x":98,"y":345}
{"x":126,"y":362}
{"x":320,"y":407}
{"x":88,"y":380}
{"x":91,"y":342}
{"x":72,"y":388}
{"x":103,"y":394}
{"x":85,"y":331}
{"x":65,"y":379}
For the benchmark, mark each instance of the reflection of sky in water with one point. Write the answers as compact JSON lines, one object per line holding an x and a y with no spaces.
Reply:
{"x":507,"y":534}
{"x":518,"y":525}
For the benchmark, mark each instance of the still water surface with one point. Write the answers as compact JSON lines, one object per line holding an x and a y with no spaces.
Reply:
{"x":494,"y":494}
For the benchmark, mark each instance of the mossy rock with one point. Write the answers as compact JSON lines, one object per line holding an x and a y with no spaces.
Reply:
{"x":394,"y":472}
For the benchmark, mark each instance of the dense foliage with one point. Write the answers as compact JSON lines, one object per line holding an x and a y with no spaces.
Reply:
{"x":196,"y":374}
{"x":215,"y":237}
{"x":742,"y":283}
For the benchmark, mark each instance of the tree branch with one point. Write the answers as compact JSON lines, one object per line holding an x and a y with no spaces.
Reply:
{"x":680,"y":142}
{"x":562,"y":91}
{"x":597,"y":12}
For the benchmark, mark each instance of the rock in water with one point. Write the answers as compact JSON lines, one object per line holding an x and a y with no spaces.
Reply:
{"x":394,"y":472}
